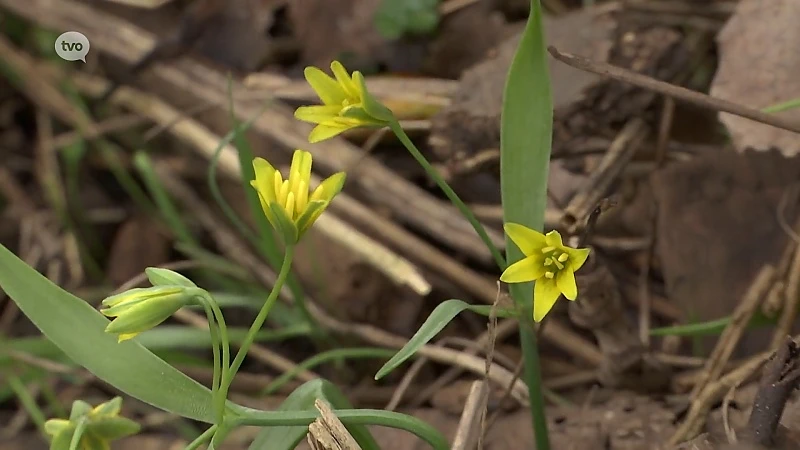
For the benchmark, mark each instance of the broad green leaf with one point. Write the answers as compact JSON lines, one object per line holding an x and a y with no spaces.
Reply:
{"x":439,"y":318}
{"x":302,"y":399}
{"x":78,"y":330}
{"x":164,"y":337}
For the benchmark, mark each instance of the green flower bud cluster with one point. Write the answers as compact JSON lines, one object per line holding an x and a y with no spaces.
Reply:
{"x":95,"y":427}
{"x":140,"y":309}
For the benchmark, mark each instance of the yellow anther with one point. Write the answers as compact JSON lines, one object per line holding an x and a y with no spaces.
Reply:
{"x":559,"y":265}
{"x":563,"y":257}
{"x":548,"y":249}
{"x":549,"y":275}
{"x":548,"y":261}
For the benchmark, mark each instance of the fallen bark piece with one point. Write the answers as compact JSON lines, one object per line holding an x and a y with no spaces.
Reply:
{"x":758,"y":67}
{"x":717,"y":226}
{"x":472,"y":121}
{"x":585,"y":106}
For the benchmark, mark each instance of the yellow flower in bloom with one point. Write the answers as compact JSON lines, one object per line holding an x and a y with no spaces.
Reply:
{"x":346,"y":103}
{"x":102,"y":425}
{"x":548,"y":262}
{"x":288,"y":204}
{"x":140,"y":309}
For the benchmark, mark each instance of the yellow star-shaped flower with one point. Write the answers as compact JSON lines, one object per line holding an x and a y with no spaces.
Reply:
{"x":288,"y":204}
{"x":346,"y":103}
{"x":548,"y":262}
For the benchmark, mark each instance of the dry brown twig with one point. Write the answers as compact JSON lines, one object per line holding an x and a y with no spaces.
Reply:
{"x":328,"y":432}
{"x":469,"y":432}
{"x":726,"y":424}
{"x":503,"y":330}
{"x":596,"y":187}
{"x":791,"y":298}
{"x":470,"y":347}
{"x":676,"y":92}
{"x":698,"y":411}
{"x":730,"y":337}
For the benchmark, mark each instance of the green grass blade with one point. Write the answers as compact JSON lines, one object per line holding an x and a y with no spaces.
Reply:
{"x":711,"y":327}
{"x":28,"y":402}
{"x":78,"y":330}
{"x":320,"y":358}
{"x":302,"y":399}
{"x":784,"y":106}
{"x":162,"y":199}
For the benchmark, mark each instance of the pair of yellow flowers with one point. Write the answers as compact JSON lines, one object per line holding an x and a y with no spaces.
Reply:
{"x":291,"y":208}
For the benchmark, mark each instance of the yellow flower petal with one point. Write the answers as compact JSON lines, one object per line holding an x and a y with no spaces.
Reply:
{"x":565,"y":280}
{"x":55,"y":426}
{"x":328,"y":90}
{"x":577,"y":257}
{"x":329,"y":188}
{"x":265,"y":206}
{"x":527,"y":269}
{"x":318,"y":113}
{"x":344,"y":80}
{"x":299,"y":174}
{"x":545,"y":294}
{"x":553,"y":239}
{"x":327,"y":130}
{"x":265,"y":174}
{"x":529,"y":241}
{"x":126,"y":336}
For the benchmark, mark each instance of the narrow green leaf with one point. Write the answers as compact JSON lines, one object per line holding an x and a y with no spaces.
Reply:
{"x":78,"y":330}
{"x":711,"y":327}
{"x":526,"y":128}
{"x":439,"y":318}
{"x":302,"y":399}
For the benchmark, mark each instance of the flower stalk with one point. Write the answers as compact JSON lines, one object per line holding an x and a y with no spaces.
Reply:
{"x":227,"y":377}
{"x":394,"y":125}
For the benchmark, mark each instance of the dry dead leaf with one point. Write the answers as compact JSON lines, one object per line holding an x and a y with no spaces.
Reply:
{"x":759,"y":64}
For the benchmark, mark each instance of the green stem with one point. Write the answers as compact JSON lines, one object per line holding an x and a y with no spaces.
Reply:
{"x":76,"y":437}
{"x":227,"y":377}
{"x":533,"y":379}
{"x":202,"y":438}
{"x":448,"y":191}
{"x":348,"y":417}
{"x":226,"y":356}
{"x":212,"y":328}
{"x":223,"y":331}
